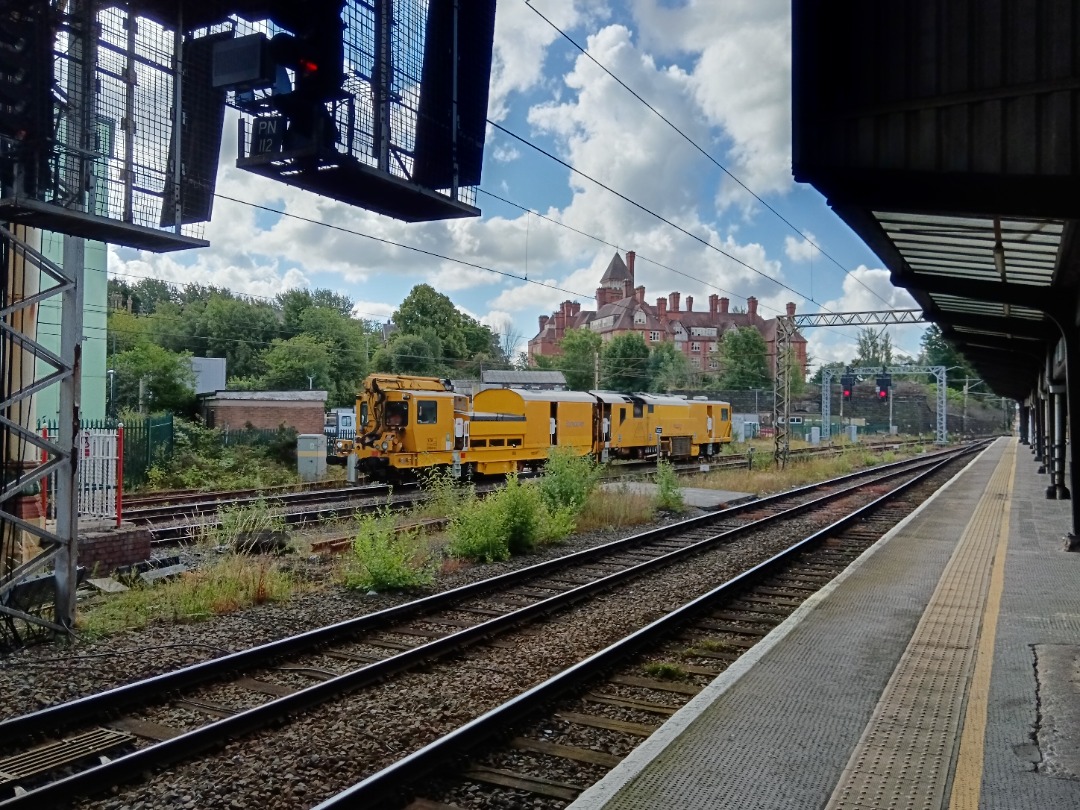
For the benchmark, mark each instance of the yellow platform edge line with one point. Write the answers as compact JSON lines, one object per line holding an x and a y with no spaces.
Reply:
{"x":971,"y":561}
{"x":967,"y":782}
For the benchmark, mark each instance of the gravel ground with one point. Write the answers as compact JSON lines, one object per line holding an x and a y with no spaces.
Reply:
{"x":55,"y":672}
{"x":337,"y":744}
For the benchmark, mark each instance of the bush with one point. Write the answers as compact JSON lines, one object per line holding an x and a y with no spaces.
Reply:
{"x":477,"y":532}
{"x":513,"y":520}
{"x":384,"y":559}
{"x":568,"y":480}
{"x":668,"y":495}
{"x":522,"y":509}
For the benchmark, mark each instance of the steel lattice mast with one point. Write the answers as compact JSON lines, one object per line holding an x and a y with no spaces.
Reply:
{"x":785,"y":330}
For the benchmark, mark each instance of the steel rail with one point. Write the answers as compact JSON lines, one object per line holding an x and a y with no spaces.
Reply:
{"x":212,"y":734}
{"x":63,"y":715}
{"x":389,"y":784}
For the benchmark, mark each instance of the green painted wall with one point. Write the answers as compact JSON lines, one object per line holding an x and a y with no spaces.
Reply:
{"x":95,"y":324}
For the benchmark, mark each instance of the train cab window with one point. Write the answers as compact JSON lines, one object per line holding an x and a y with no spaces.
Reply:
{"x":427,"y":412}
{"x":363,"y":414}
{"x":639,"y":410}
{"x":478,"y":442}
{"x":498,"y":442}
{"x":651,"y":409}
{"x":397,"y":414}
{"x":723,"y":413}
{"x":622,"y":415}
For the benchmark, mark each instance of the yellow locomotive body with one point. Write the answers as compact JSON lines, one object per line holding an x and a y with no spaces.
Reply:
{"x":511,"y":428}
{"x":643,"y":424}
{"x":410,"y":423}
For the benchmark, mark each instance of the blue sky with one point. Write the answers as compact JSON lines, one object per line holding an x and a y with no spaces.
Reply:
{"x":718,"y":69}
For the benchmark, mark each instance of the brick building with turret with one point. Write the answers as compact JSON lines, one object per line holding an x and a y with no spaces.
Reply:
{"x":621,"y":307}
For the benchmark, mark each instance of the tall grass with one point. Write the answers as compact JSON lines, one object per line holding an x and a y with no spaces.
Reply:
{"x":228,"y":585}
{"x":616,"y":508}
{"x":239,"y":524}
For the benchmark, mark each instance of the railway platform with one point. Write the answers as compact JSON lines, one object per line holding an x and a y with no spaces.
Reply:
{"x":942,"y":670}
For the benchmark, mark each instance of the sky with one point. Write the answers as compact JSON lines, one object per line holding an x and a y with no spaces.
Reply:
{"x":702,"y":200}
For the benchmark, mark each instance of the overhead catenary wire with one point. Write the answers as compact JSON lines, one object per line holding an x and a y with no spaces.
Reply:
{"x":706,"y":154}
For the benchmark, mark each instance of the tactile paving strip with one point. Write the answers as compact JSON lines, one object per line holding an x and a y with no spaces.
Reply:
{"x":905,"y":756}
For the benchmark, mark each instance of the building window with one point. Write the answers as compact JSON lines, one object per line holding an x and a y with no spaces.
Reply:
{"x":695,"y":362}
{"x":713,"y":364}
{"x":695,"y":347}
{"x":639,"y":318}
{"x":654,"y":336}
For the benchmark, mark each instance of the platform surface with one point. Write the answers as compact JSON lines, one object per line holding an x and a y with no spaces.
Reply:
{"x":941,"y":670}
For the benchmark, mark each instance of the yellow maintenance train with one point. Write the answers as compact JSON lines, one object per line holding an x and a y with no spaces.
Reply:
{"x":405,"y":424}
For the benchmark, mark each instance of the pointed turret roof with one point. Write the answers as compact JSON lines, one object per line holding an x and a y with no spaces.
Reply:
{"x":616,"y":273}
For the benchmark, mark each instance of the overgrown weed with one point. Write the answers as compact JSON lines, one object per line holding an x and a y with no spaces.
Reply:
{"x":224,"y":586}
{"x":384,"y":558}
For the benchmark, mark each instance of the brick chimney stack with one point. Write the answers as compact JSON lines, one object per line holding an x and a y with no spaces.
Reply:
{"x":543,"y":322}
{"x":724,"y":302}
{"x":601,"y":296}
{"x":791,"y":309}
{"x":751,"y":307}
{"x":575,"y":308}
{"x":630,"y":257}
{"x":627,"y":288}
{"x":661,"y":308}
{"x":560,"y":323}
{"x":689,"y":303}
{"x":639,"y":294}
{"x":714,"y":304}
{"x":673,"y":301}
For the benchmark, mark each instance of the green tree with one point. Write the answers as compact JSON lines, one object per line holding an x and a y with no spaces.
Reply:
{"x":125,"y":330}
{"x":296,"y":302}
{"x":742,"y":359}
{"x":168,"y":382}
{"x":479,"y":339}
{"x":624,"y":363}
{"x":669,"y":368}
{"x":873,"y":349}
{"x":578,"y":358}
{"x":937,"y":351}
{"x":298,"y":363}
{"x":424,"y":308}
{"x":411,"y":354}
{"x":796,"y":378}
{"x":347,"y":341}
{"x":239,"y":331}
{"x":149,"y":293}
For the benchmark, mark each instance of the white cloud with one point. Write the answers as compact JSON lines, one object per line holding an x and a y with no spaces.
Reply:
{"x":741,"y":78}
{"x":799,"y":249}
{"x":864,"y":290}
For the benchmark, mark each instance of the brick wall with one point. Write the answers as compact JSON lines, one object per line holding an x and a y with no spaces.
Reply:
{"x":103,"y":551}
{"x":306,"y":417}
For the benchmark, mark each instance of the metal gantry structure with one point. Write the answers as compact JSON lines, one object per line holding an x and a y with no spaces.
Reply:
{"x":939,"y":377}
{"x":786,"y":326}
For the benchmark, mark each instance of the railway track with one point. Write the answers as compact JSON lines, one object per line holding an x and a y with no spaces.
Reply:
{"x":544,"y":747}
{"x":313,"y":506}
{"x":171,"y":717}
